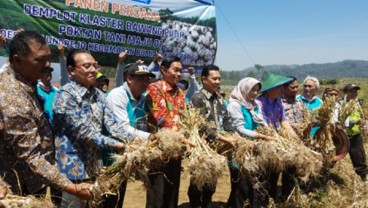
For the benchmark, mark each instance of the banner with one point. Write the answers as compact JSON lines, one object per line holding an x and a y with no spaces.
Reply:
{"x":184,"y":28}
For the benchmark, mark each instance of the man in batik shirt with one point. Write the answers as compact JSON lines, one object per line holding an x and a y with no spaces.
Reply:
{"x":80,"y":115}
{"x":294,"y":111}
{"x":164,"y":101}
{"x":211,"y":105}
{"x":27,"y":144}
{"x":294,"y":108}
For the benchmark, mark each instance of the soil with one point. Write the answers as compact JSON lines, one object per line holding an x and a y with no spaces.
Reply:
{"x":135,"y":196}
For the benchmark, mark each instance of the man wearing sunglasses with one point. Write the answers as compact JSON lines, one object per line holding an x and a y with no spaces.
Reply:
{"x":80,"y":116}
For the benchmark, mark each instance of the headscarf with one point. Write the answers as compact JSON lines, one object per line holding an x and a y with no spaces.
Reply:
{"x":240,"y":94}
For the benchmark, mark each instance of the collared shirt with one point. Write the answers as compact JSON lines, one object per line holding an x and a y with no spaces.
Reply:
{"x":27,"y":142}
{"x":273,"y":110}
{"x":213,"y":109}
{"x":80,"y":116}
{"x":47,"y":98}
{"x":163,"y":105}
{"x":293,"y":111}
{"x":125,"y":107}
{"x":311,"y":104}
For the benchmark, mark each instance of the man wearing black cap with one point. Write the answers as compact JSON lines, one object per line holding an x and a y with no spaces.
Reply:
{"x":127,"y":104}
{"x":127,"y":101}
{"x":357,"y":152}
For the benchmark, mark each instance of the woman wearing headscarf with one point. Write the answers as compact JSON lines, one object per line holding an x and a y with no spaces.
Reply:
{"x":246,"y":117}
{"x":244,"y":109}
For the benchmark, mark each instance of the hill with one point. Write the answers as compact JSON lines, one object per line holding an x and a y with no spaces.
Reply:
{"x":347,"y":68}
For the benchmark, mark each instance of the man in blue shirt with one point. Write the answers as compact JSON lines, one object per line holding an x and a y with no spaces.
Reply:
{"x":80,"y":115}
{"x":309,"y":98}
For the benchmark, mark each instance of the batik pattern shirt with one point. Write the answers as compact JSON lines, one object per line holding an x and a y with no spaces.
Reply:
{"x":294,"y":110}
{"x":273,"y":110}
{"x":212,"y":107}
{"x":163,"y":105}
{"x":80,"y":115}
{"x":26,"y":139}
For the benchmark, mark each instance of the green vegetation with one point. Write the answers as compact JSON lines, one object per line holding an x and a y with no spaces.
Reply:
{"x":327,"y":73}
{"x":347,"y":68}
{"x":328,"y":81}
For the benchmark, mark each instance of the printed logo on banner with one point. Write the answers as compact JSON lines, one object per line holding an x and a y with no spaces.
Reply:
{"x":143,"y":1}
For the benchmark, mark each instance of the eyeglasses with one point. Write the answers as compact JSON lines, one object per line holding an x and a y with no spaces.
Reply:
{"x":88,"y":66}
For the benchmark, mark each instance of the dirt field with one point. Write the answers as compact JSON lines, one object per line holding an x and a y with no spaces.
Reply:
{"x":136,"y":194}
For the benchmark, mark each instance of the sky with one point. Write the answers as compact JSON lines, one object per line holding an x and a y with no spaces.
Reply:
{"x":271,"y":32}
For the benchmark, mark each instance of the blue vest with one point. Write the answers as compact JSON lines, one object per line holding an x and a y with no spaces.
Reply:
{"x":48,"y":98}
{"x":311,"y":105}
{"x":248,"y":124}
{"x":136,"y":115}
{"x":137,"y":120}
{"x":248,"y":120}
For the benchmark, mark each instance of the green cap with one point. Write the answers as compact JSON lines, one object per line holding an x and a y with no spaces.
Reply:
{"x":271,"y":81}
{"x":101,"y":76}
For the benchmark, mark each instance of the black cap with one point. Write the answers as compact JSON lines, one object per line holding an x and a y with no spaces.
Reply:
{"x":350,"y":87}
{"x":138,"y":70}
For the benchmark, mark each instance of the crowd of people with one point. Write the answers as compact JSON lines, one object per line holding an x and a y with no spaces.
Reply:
{"x":62,"y":137}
